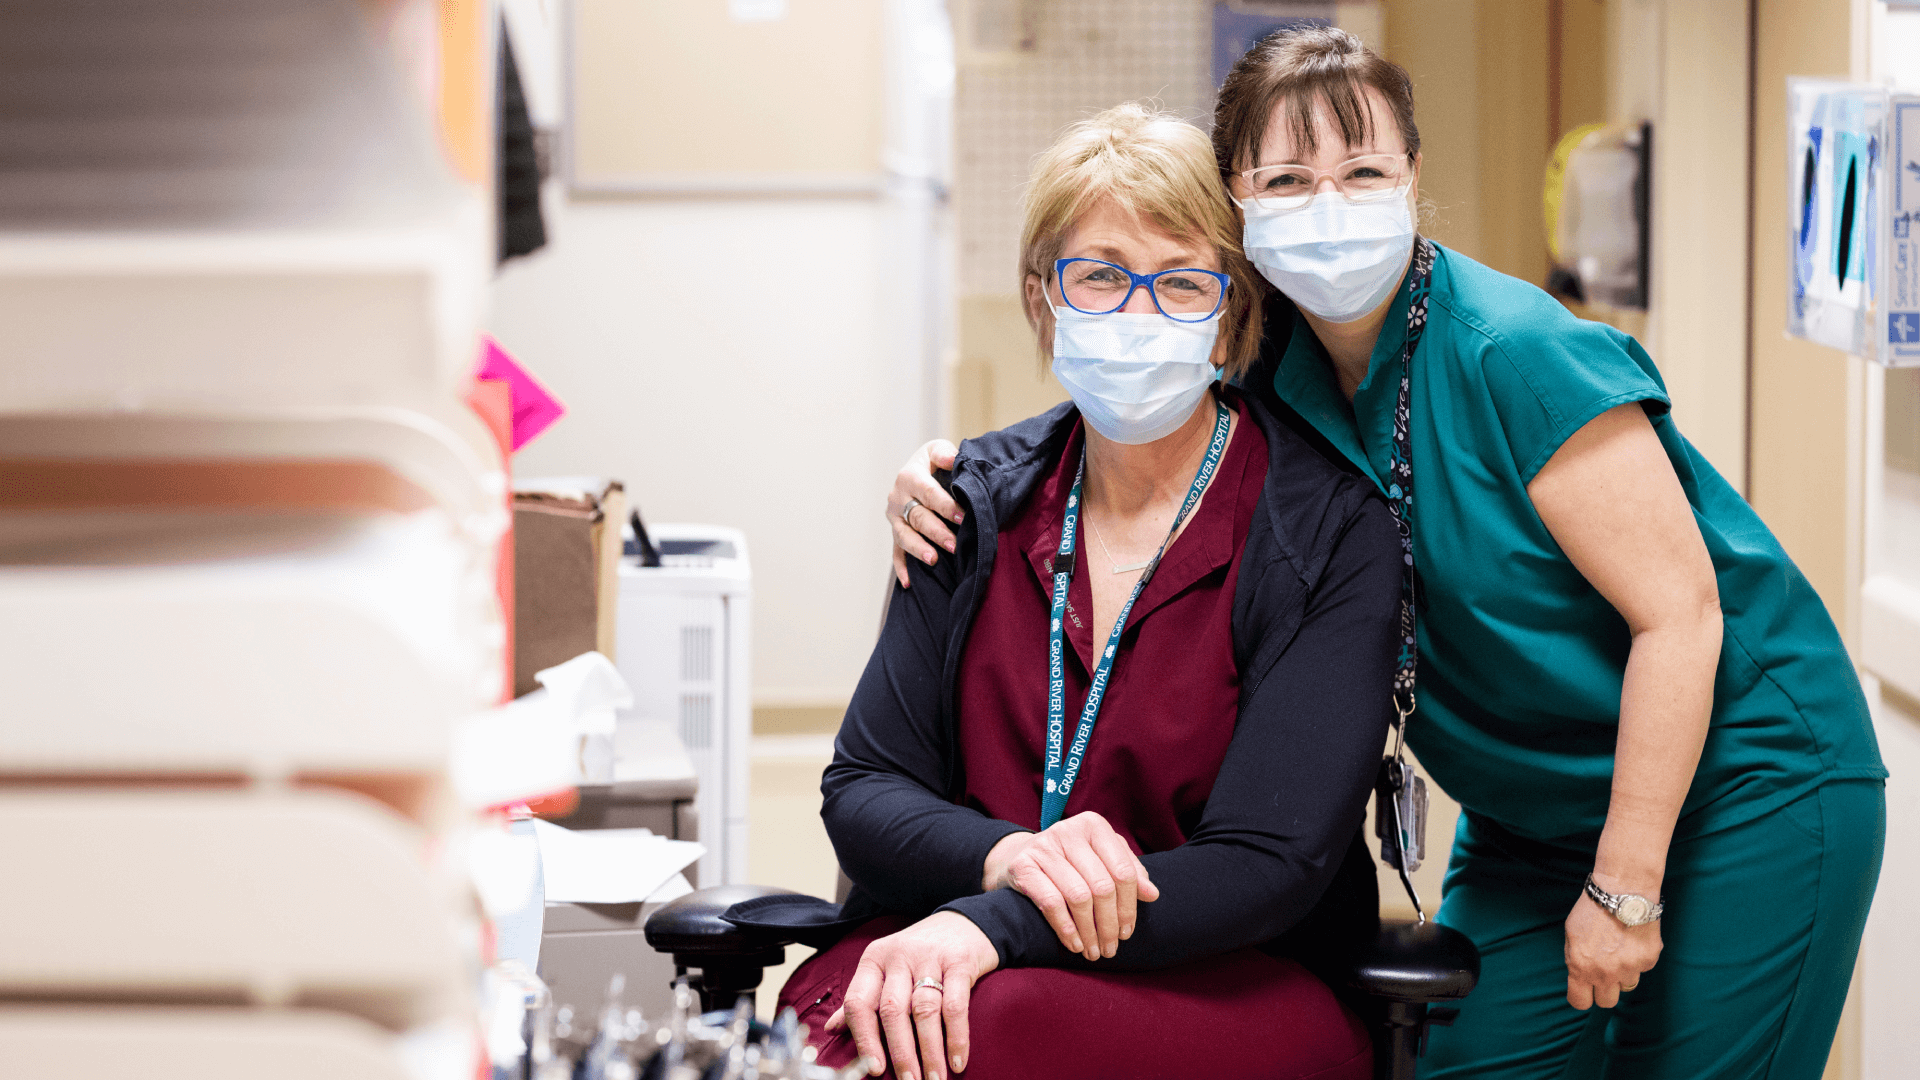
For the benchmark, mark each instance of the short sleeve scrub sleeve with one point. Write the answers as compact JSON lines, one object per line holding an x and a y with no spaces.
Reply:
{"x":1521,"y":660}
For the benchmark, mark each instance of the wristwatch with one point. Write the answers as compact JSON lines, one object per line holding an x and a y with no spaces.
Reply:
{"x":1631,"y":909}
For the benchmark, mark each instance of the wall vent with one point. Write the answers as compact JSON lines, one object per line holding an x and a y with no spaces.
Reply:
{"x":696,"y":654}
{"x":696,"y":721}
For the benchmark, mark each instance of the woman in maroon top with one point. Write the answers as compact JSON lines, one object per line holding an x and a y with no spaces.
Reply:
{"x":1144,"y":898}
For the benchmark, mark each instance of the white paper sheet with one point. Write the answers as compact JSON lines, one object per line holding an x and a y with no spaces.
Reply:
{"x":609,"y":866}
{"x":676,"y":887}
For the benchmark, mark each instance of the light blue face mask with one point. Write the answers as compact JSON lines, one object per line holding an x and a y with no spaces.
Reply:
{"x":1134,"y":377}
{"x":1335,"y":258}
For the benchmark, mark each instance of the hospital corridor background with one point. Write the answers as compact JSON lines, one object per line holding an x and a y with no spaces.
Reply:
{"x":444,"y":447}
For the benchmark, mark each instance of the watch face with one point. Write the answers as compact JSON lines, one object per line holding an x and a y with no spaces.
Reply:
{"x":1633,"y":910}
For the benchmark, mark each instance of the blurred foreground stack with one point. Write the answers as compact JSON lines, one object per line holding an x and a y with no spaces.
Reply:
{"x":248,"y":539}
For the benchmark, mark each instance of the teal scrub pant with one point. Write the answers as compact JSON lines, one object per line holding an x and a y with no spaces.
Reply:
{"x":1762,"y":926}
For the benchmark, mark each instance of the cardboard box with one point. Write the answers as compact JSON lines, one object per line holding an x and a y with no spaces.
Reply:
{"x":566,"y":558}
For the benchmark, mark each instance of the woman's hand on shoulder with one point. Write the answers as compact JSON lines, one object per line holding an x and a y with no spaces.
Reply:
{"x":1081,"y":875}
{"x":922,"y":1028}
{"x":915,"y":533}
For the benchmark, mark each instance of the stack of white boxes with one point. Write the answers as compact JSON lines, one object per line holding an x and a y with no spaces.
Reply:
{"x":248,"y":531}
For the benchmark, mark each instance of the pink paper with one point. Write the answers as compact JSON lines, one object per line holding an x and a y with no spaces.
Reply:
{"x":534,"y":406}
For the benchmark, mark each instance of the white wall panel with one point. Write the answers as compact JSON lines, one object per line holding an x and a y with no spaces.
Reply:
{"x":726,"y":359}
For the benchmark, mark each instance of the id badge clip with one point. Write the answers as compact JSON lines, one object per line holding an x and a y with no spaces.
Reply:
{"x":1400,"y":818}
{"x":1400,"y":814}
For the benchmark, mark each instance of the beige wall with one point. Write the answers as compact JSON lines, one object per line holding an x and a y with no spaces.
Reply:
{"x":669,"y":91}
{"x":1496,"y":83}
{"x":1585,"y":65}
{"x":1491,"y":105}
{"x":1001,"y":377}
{"x":1805,"y":460}
{"x":1696,"y":326}
{"x":1437,"y":41}
{"x":1512,"y":55}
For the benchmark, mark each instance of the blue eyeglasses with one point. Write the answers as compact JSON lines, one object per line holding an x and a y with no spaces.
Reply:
{"x":1093,"y":287}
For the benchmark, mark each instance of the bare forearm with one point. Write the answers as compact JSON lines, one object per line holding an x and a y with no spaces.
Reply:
{"x":1665,"y":703}
{"x":993,"y":875}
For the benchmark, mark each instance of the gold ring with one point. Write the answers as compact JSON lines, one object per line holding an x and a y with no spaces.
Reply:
{"x":1635,"y":986}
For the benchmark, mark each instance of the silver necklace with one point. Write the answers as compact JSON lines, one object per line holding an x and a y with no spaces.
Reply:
{"x":1117,"y":568}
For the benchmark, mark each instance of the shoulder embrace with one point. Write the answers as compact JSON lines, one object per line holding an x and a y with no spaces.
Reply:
{"x":1020,"y":441}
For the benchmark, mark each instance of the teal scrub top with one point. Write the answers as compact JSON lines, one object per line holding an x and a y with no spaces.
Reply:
{"x":1521,"y":660}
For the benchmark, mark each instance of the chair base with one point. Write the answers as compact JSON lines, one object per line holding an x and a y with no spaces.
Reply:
{"x":721,"y":981}
{"x":1400,"y":1036}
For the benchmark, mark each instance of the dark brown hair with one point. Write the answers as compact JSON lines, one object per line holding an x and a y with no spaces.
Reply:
{"x":1300,"y":68}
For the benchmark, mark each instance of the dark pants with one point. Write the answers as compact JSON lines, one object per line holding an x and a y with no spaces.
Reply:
{"x":1244,"y":1015}
{"x":1763,"y":923}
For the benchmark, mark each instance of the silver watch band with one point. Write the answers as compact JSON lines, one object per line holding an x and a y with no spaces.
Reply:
{"x":1630,"y":908}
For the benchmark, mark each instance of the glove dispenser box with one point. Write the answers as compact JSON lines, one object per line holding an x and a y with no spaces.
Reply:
{"x":1853,"y":274}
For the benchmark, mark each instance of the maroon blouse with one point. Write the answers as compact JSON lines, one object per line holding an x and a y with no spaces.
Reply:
{"x":1174,"y":690}
{"x":1170,"y":710}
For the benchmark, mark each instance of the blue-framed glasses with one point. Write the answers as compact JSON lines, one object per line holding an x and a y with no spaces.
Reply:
{"x":1093,"y":287}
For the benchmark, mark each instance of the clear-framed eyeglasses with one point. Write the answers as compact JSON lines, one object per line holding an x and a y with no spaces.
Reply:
{"x":1094,"y":287}
{"x":1366,"y":178}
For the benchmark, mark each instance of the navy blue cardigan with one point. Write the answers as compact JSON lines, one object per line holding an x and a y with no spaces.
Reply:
{"x":1314,"y":618}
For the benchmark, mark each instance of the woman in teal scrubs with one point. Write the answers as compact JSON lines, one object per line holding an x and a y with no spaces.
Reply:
{"x":1672,"y":795}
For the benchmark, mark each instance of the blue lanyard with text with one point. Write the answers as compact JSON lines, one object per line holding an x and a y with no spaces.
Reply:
{"x":1063,"y":768}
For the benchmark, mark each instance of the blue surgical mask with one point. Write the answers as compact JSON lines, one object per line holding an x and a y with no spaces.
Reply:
{"x":1334,"y":258}
{"x":1135,"y":377}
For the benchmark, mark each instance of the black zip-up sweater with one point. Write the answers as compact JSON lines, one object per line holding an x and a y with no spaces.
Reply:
{"x":1314,"y":618}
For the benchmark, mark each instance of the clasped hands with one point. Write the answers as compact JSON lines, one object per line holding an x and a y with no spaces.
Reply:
{"x":912,"y":987}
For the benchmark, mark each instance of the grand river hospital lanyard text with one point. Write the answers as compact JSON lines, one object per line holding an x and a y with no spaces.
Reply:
{"x":1401,"y":795}
{"x":1063,"y":766}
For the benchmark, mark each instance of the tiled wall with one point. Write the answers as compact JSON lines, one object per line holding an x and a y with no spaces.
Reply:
{"x":1027,"y":70}
{"x":1010,"y":105}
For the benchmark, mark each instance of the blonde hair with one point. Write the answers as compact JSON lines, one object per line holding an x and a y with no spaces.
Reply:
{"x":1157,"y":167}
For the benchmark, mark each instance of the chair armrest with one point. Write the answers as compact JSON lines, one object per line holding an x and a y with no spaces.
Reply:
{"x":694,"y":925}
{"x":1415,"y":962}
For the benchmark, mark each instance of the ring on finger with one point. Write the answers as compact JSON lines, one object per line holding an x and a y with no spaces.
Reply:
{"x":928,"y":982}
{"x":906,"y":512}
{"x":1624,"y":989}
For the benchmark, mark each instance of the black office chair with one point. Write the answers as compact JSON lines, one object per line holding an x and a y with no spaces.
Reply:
{"x":1408,"y":968}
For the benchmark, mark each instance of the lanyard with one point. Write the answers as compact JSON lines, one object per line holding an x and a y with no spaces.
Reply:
{"x":1400,"y":485}
{"x":1062,"y":769}
{"x":1400,"y":813}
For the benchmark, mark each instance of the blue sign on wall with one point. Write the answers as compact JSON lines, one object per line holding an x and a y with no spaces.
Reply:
{"x":1238,"y":27}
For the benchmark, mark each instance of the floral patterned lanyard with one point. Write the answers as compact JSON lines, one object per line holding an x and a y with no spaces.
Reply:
{"x":1400,"y":475}
{"x":1401,"y":795}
